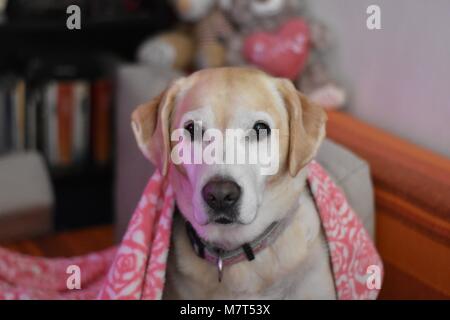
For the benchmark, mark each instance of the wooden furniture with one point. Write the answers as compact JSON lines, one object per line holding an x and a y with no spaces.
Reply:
{"x":412,"y":192}
{"x":412,"y":197}
{"x":66,"y":244}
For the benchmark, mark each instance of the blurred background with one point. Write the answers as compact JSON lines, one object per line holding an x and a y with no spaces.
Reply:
{"x":57,"y":101}
{"x":70,"y":172}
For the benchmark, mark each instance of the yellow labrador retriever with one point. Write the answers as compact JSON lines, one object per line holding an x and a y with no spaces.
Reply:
{"x":240,"y":234}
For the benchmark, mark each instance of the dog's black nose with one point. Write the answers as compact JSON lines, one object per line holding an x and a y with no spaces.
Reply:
{"x":220,"y":194}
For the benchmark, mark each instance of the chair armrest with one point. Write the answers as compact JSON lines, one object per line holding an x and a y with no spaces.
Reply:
{"x":412,"y":198}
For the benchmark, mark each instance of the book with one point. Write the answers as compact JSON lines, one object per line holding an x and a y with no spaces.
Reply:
{"x":69,"y":121}
{"x":101,"y":121}
{"x":81,"y":121}
{"x":19,"y":113}
{"x":65,"y":111}
{"x":9,"y":116}
{"x":50,"y":132}
{"x":3,"y":133}
{"x":12,"y":114}
{"x":40,"y":117}
{"x":34,"y":98}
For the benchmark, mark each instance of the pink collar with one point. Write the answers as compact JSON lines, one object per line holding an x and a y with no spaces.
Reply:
{"x":221,"y":258}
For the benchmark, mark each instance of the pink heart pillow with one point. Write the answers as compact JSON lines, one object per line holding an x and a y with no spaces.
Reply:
{"x":282,"y":53}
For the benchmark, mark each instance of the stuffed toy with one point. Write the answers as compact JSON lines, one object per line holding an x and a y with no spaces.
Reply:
{"x":280,"y":37}
{"x":196,"y":43}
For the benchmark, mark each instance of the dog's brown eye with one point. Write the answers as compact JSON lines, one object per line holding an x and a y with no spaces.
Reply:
{"x":192,"y":128}
{"x":262,"y":129}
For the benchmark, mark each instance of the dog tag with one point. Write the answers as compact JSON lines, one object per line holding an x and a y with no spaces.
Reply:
{"x":220,"y":267}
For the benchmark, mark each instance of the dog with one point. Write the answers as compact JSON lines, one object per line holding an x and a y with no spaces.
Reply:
{"x":267,"y":224}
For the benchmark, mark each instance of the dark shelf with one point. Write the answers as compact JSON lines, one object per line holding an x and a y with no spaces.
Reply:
{"x":83,"y":193}
{"x":57,"y":26}
{"x":84,"y":197}
{"x":26,"y":39}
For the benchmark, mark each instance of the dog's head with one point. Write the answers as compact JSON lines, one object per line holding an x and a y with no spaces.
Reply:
{"x":231,"y":203}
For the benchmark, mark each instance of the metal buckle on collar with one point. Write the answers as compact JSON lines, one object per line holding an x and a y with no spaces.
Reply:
{"x":219,"y":265}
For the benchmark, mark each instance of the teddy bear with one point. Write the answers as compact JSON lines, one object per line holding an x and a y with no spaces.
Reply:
{"x":196,"y":43}
{"x":281,"y":37}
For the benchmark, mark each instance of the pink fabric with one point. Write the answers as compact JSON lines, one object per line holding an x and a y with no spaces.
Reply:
{"x":136,"y":269}
{"x":351,"y":250}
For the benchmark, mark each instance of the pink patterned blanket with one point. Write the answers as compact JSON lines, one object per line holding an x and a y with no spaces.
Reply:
{"x":136,"y":268}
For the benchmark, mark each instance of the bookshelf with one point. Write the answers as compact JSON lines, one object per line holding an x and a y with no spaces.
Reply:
{"x":39,"y":54}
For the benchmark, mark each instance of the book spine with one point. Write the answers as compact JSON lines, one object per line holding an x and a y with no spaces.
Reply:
{"x":50,"y":124}
{"x":101,"y":120}
{"x":3,"y":133}
{"x":8,"y":119}
{"x":40,"y":118}
{"x":81,"y":120}
{"x":65,"y":111}
{"x":12,"y":112}
{"x":19,"y":93}
{"x":32,"y":120}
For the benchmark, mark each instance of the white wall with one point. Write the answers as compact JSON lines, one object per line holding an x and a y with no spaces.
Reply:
{"x":399,"y":77}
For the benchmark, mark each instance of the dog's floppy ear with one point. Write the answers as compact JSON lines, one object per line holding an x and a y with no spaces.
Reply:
{"x":306,"y":126}
{"x":150,"y":124}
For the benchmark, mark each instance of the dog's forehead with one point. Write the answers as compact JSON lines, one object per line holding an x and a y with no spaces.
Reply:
{"x":226,"y":91}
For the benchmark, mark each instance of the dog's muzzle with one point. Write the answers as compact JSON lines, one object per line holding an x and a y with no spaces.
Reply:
{"x":222,"y":197}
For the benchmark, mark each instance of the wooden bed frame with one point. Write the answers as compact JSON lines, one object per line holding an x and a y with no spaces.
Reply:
{"x":412,"y":192}
{"x":412,"y":197}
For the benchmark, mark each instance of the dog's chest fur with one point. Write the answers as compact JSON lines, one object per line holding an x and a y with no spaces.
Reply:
{"x":295,"y":266}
